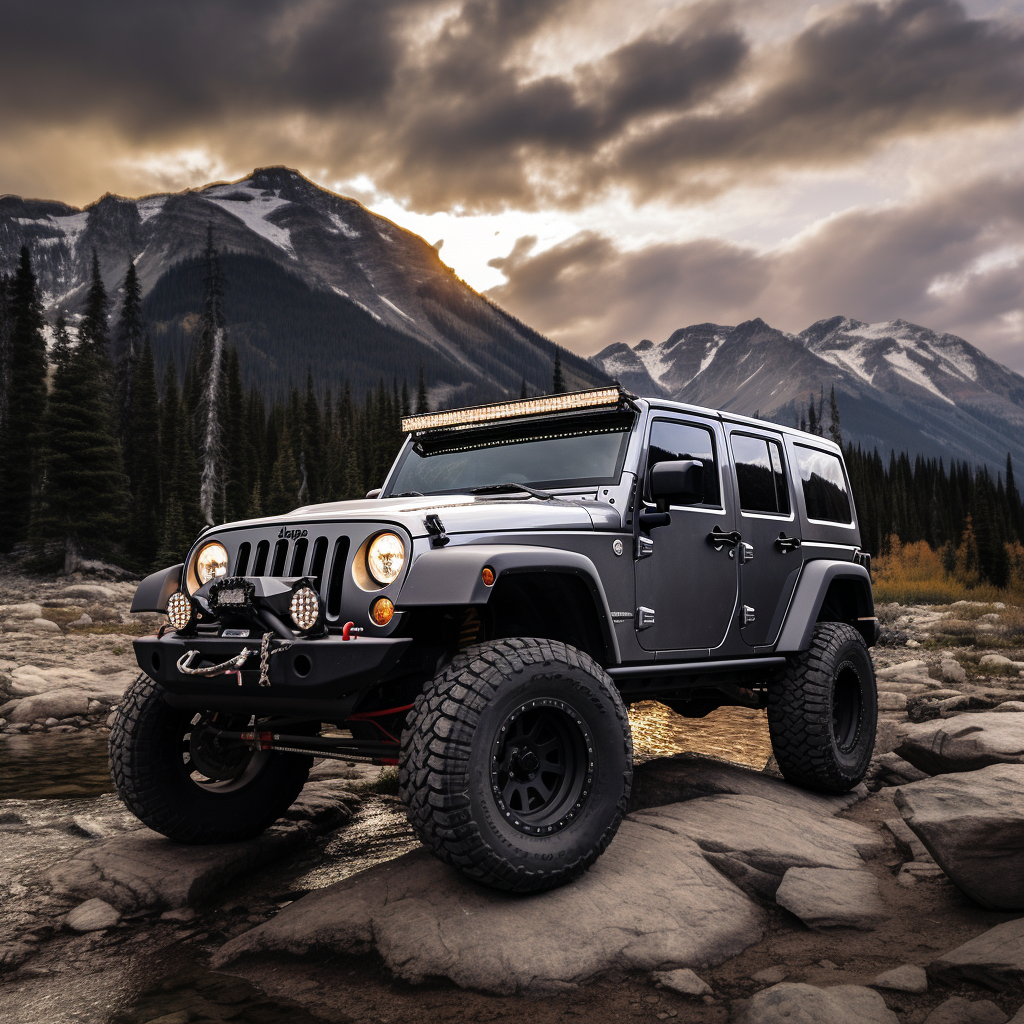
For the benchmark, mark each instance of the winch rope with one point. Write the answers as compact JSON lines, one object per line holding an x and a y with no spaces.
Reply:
{"x":234,"y":665}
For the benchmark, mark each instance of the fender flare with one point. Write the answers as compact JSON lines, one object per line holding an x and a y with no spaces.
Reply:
{"x":153,"y":593}
{"x":452,"y":576}
{"x":810,"y":595}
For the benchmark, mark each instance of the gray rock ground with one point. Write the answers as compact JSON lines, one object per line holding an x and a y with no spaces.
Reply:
{"x":964,"y":743}
{"x":651,"y":902}
{"x":790,"y":1003}
{"x":832,"y":897}
{"x":994,"y":959}
{"x":957,"y":1010}
{"x":908,"y":978}
{"x":972,"y":823}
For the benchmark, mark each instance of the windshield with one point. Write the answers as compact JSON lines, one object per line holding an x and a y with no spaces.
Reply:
{"x":570,"y":460}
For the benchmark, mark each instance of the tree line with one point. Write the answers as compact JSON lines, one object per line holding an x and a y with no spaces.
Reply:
{"x":98,"y":459}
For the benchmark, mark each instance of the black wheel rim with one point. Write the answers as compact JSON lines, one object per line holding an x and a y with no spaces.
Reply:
{"x":847,"y":707}
{"x":216,"y":767}
{"x":542,"y":766}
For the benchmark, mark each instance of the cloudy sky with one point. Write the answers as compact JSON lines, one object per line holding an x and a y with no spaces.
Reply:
{"x":609,"y":171}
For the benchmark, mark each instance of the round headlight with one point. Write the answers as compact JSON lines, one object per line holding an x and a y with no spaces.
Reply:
{"x":179,"y":610}
{"x":385,"y":558}
{"x":305,"y":608}
{"x":211,"y":562}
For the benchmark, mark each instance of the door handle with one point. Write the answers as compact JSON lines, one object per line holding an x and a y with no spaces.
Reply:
{"x":746,"y":552}
{"x":718,"y":538}
{"x":786,"y":544}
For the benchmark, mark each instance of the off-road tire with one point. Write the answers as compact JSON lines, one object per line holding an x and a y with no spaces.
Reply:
{"x":449,"y":749}
{"x":823,"y":709}
{"x":148,"y":771}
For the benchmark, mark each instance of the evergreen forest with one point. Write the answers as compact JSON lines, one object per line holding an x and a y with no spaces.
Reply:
{"x":100,"y":459}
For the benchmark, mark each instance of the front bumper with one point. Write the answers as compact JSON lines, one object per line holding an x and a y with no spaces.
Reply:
{"x":315,"y":677}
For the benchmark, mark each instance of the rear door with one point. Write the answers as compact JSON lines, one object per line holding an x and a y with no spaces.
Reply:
{"x":769,"y":556}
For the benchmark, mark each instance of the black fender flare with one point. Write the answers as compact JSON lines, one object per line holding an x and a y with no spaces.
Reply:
{"x":453,"y":576}
{"x":809,"y":596}
{"x":153,"y":593}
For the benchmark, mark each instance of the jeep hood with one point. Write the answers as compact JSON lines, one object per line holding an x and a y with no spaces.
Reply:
{"x":460,"y":513}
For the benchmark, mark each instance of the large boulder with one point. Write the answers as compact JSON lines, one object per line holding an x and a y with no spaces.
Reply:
{"x":957,"y":1010}
{"x":964,"y":743}
{"x":994,"y":959}
{"x":94,"y":593}
{"x":832,"y":898}
{"x":29,"y":680}
{"x":972,"y":823}
{"x":652,"y":902}
{"x":55,"y":704}
{"x":669,"y":780}
{"x":791,"y":1003}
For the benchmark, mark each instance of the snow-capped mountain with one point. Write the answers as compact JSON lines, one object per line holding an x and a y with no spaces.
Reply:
{"x":312,"y":279}
{"x":899,"y":385}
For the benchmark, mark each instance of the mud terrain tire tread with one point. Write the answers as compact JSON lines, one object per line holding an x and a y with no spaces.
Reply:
{"x":144,"y":781}
{"x":435,"y":753}
{"x":800,"y":714}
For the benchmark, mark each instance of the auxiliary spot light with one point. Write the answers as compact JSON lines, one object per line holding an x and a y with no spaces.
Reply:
{"x":179,"y":610}
{"x":305,"y":608}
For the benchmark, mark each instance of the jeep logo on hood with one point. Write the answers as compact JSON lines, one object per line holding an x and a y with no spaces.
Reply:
{"x":292,"y":534}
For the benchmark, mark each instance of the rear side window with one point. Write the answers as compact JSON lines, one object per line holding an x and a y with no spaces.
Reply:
{"x":759,"y":475}
{"x":824,"y":484}
{"x":671,"y":441}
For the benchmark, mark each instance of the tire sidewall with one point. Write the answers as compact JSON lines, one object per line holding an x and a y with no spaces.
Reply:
{"x":609,"y":750}
{"x":853,"y":763}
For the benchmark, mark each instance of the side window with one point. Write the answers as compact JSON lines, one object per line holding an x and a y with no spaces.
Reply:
{"x":824,"y":484}
{"x":671,"y":441}
{"x":759,"y":475}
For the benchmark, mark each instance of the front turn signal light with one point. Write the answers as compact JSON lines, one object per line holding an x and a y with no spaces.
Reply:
{"x":382,"y":611}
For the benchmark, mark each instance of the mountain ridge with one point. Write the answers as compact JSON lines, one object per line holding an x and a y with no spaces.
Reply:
{"x":899,"y":385}
{"x":354,"y":263}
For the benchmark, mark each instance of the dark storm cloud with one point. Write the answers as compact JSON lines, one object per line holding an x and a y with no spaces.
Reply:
{"x":438,"y":102}
{"x":865,"y":74}
{"x":935,"y":262}
{"x":157,"y":67}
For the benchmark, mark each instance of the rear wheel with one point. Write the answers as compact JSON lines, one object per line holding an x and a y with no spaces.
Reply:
{"x":177,"y":777}
{"x":516,"y":764}
{"x":823,"y":709}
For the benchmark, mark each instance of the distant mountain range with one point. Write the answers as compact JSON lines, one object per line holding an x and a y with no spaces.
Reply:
{"x":312,"y":279}
{"x":898,"y":385}
{"x":315,"y":280}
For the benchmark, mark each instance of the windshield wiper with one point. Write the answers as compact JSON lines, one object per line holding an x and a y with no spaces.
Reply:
{"x":500,"y":488}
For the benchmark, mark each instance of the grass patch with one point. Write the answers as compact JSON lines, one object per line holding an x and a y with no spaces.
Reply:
{"x":386,"y":784}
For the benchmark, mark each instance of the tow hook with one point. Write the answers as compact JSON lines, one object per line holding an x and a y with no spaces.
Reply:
{"x":350,"y":631}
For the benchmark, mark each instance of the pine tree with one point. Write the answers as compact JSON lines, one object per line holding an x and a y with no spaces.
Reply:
{"x":557,"y":377}
{"x":834,"y":430}
{"x":93,"y":329}
{"x":142,"y":460}
{"x":130,"y":332}
{"x":61,"y":353}
{"x":422,"y":405}
{"x":812,"y":416}
{"x":84,"y":496}
{"x":238,"y":449}
{"x":284,"y":479}
{"x":406,"y":404}
{"x":20,"y":436}
{"x":5,"y":346}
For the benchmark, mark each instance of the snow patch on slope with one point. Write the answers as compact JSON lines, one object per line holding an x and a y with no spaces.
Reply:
{"x":914,"y":372}
{"x":149,"y":208}
{"x":851,"y":358}
{"x":346,"y":229}
{"x":654,"y":361}
{"x":401,"y":312}
{"x":252,"y":206}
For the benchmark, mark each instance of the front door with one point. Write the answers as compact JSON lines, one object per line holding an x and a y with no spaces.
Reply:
{"x":685,"y":585}
{"x":770,"y":554}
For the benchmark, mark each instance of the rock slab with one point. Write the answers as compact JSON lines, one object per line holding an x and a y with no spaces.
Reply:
{"x":832,"y":897}
{"x":652,"y":902}
{"x":684,"y":981}
{"x":994,"y":959}
{"x":908,"y":978}
{"x":92,"y":916}
{"x":957,"y":1010}
{"x":792,"y":1003}
{"x":972,"y":823}
{"x":964,"y":743}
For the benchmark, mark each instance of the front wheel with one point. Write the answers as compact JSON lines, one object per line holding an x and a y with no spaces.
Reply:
{"x":823,"y":709}
{"x":174,"y":775}
{"x":517,"y":763}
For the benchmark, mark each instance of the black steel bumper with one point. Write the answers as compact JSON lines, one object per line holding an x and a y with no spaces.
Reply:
{"x":315,"y":677}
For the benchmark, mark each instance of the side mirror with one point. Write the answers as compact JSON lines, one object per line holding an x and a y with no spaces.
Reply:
{"x":677,"y":483}
{"x":375,"y":493}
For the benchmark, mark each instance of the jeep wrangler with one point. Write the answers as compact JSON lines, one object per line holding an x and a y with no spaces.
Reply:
{"x":527,"y":570}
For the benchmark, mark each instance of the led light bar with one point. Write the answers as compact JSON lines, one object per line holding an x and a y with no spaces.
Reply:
{"x":509,"y":410}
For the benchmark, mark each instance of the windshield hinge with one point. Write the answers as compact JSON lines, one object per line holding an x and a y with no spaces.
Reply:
{"x":438,"y":538}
